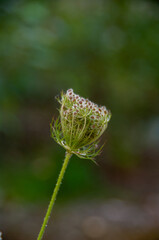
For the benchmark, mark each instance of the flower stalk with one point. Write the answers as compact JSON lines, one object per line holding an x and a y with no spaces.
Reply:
{"x":53,"y":198}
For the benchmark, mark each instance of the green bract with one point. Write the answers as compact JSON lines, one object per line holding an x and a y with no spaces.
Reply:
{"x":80,"y":125}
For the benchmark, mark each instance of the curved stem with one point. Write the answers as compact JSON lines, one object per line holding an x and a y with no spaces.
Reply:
{"x":53,"y":198}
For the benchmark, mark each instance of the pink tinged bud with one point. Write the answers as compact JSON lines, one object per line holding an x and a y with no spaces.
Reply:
{"x":103,"y":108}
{"x":105,"y":111}
{"x":80,"y":102}
{"x":70,"y":90}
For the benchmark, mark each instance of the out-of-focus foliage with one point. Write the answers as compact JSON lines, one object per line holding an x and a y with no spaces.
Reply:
{"x":105,"y":50}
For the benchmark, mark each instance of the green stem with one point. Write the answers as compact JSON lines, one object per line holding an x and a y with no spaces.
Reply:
{"x":53,"y":198}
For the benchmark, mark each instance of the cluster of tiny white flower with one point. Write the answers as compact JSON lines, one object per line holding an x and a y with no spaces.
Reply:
{"x":80,"y":107}
{"x":80,"y":125}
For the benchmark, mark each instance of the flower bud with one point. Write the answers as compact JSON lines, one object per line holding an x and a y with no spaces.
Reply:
{"x":81,"y":124}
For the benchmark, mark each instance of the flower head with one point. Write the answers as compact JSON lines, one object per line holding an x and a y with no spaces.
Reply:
{"x":80,"y":125}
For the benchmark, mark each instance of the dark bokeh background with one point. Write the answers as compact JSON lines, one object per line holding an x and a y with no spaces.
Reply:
{"x":107,"y":51}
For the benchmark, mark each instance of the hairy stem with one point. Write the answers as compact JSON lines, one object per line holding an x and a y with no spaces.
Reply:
{"x":53,"y":198}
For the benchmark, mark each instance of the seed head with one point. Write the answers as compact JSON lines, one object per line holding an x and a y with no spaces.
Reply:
{"x":80,"y":125}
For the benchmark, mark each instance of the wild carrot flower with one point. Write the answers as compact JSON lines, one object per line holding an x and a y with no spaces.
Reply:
{"x":77,"y":129}
{"x":80,"y":125}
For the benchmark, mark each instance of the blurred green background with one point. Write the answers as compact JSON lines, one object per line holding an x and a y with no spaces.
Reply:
{"x":107,"y":51}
